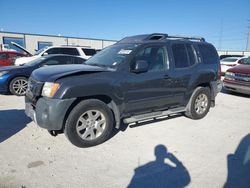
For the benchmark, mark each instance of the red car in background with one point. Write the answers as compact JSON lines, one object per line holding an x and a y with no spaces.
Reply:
{"x":7,"y":58}
{"x":237,"y":79}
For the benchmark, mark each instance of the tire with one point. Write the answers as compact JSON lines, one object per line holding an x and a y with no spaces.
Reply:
{"x":18,"y":86}
{"x":196,"y":110}
{"x":83,"y":123}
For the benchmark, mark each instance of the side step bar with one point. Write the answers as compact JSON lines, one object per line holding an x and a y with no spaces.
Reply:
{"x":151,"y":115}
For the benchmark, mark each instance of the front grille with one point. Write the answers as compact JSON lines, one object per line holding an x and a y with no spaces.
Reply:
{"x":242,"y":77}
{"x":34,"y":90}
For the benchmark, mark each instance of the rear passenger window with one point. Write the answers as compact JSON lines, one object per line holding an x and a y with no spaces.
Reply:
{"x":191,"y":54}
{"x":53,"y":51}
{"x":180,"y":55}
{"x":209,"y":54}
{"x":89,"y":52}
{"x":69,"y":51}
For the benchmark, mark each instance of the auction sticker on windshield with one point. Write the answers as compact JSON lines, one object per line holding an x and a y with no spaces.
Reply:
{"x":125,"y":52}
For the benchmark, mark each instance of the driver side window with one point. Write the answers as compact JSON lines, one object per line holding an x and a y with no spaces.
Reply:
{"x":156,"y":57}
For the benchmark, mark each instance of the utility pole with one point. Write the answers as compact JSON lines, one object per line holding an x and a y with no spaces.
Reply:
{"x":248,"y":33}
{"x":221,"y":34}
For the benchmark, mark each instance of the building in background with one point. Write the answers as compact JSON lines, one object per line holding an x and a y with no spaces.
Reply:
{"x":34,"y":42}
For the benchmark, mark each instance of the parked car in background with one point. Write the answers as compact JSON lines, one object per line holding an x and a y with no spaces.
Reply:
{"x":237,"y":79}
{"x":68,"y":50}
{"x":8,"y":58}
{"x":14,"y":79}
{"x":230,"y":62}
{"x":224,"y":56}
{"x":138,"y":78}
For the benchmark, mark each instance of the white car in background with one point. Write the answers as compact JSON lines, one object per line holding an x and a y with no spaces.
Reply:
{"x":69,"y":50}
{"x":230,"y":62}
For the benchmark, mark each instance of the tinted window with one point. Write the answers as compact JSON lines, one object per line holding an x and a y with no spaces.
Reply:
{"x":3,"y":56}
{"x":79,"y":60}
{"x":53,"y":51}
{"x":155,"y":56}
{"x":191,"y":54}
{"x":180,"y":55}
{"x":229,"y":59}
{"x":58,"y":61}
{"x":69,"y":51}
{"x":209,"y":54}
{"x":89,"y":52}
{"x":8,"y":40}
{"x":41,"y":44}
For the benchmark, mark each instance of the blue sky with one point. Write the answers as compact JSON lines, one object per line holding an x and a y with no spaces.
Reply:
{"x":114,"y":19}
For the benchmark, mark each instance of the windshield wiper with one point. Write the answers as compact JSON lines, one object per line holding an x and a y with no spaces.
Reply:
{"x":98,"y":65}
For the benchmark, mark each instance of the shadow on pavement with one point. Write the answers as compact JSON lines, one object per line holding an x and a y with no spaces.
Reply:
{"x":11,"y":122}
{"x":234,"y":93}
{"x":160,"y":174}
{"x":239,"y":166}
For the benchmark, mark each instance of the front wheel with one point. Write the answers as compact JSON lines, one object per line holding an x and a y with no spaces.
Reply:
{"x":18,"y":86}
{"x":199,"y":103}
{"x":90,"y":123}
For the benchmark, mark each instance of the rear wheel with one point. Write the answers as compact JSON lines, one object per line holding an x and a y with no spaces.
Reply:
{"x":199,"y":103}
{"x":18,"y":86}
{"x":90,"y":123}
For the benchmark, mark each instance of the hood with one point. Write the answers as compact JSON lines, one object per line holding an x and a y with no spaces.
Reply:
{"x":52,"y":73}
{"x":21,"y":48}
{"x":11,"y":68}
{"x":243,"y":69}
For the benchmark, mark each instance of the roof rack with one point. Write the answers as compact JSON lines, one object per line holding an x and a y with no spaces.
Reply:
{"x":188,"y":38}
{"x":161,"y":36}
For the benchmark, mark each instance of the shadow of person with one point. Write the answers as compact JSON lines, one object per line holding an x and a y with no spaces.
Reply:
{"x":239,"y":166}
{"x":11,"y":122}
{"x":160,"y":174}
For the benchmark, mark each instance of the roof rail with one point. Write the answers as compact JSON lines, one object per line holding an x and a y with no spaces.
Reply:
{"x":161,"y":36}
{"x":188,"y":38}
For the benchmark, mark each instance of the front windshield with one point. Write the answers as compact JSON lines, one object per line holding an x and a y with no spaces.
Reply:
{"x":41,"y":50}
{"x":247,"y":61}
{"x":112,"y":55}
{"x":35,"y":62}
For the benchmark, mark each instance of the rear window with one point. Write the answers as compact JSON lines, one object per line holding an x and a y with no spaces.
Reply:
{"x":229,"y":59}
{"x":89,"y":52}
{"x":69,"y":51}
{"x":209,"y":54}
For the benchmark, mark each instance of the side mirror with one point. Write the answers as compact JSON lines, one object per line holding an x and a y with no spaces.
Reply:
{"x":140,"y":66}
{"x":241,"y":61}
{"x":45,"y":53}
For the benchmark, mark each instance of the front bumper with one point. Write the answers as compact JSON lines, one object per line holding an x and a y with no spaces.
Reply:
{"x":4,"y":80}
{"x":48,"y":113}
{"x":236,"y":87}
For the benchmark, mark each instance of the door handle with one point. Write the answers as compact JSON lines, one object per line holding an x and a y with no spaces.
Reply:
{"x":166,"y":77}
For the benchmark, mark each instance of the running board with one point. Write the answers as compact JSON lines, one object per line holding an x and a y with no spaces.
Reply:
{"x":151,"y":115}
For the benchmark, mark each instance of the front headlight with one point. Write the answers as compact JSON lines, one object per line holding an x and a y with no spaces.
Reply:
{"x":3,"y":73}
{"x":49,"y":89}
{"x":229,"y":75}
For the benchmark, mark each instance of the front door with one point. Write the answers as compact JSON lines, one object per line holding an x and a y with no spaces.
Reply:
{"x":148,"y":91}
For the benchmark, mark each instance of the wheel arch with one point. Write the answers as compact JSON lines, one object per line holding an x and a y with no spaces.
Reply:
{"x":104,"y":98}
